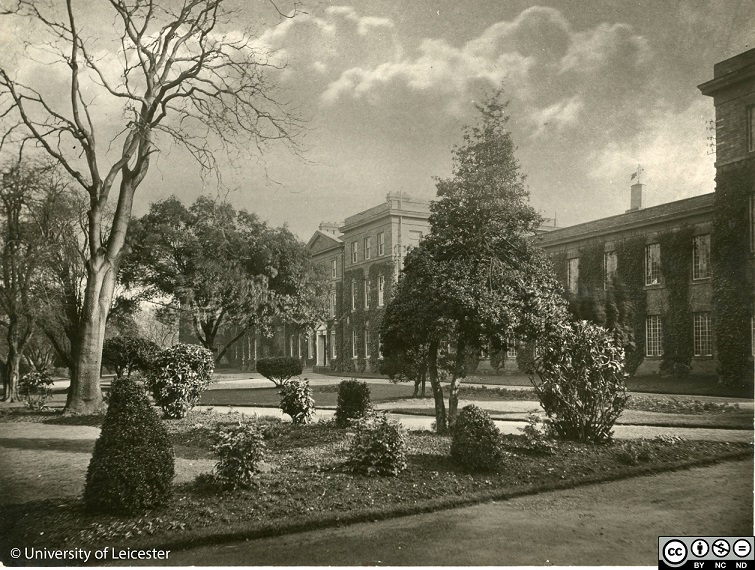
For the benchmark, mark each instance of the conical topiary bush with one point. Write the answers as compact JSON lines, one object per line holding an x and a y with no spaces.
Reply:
{"x":132,"y":467}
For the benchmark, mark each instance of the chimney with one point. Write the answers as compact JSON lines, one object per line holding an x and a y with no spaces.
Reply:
{"x":635,"y":201}
{"x":329,"y":227}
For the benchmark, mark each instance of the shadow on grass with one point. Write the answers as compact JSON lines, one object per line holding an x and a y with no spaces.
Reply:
{"x":49,"y":444}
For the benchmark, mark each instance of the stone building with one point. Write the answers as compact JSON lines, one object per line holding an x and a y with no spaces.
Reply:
{"x":686,"y":266}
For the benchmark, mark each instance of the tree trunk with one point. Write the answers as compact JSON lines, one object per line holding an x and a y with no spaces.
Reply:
{"x":85,"y":395}
{"x":424,"y":382}
{"x":456,"y":380}
{"x":441,"y":425}
{"x":416,"y":388}
{"x":12,"y":364}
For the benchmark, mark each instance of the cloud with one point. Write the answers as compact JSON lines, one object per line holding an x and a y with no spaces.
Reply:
{"x":671,"y":147}
{"x":560,"y":115}
{"x":542,"y":61}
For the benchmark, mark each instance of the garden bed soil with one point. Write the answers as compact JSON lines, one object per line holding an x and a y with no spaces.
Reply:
{"x":307,"y":486}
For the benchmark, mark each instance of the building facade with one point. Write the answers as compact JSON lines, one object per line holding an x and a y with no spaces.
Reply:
{"x":684,"y":269}
{"x":680,"y":276}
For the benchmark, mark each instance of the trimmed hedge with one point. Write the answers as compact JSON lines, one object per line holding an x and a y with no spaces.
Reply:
{"x":279,"y":370}
{"x":132,"y":467}
{"x":476,"y":442}
{"x":353,"y":401}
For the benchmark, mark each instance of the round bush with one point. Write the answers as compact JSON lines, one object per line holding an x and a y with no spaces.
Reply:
{"x":178,"y":377}
{"x":132,"y":466}
{"x":378,"y":447}
{"x":580,"y":381}
{"x":279,"y":370}
{"x":476,"y":442}
{"x":297,"y":401}
{"x":35,"y":388}
{"x":239,"y":449}
{"x":353,"y":401}
{"x":126,"y":353}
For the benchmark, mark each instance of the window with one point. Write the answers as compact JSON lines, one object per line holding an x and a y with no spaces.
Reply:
{"x":332,"y":304}
{"x":380,"y":346}
{"x":333,"y":354}
{"x":703,"y":342}
{"x":367,"y":247}
{"x":353,"y":252}
{"x":381,"y":290}
{"x":354,"y":343}
{"x":414,"y":238}
{"x":291,"y":345}
{"x":511,"y":347}
{"x":367,"y":340}
{"x":610,"y":264}
{"x":353,"y":295}
{"x":572,"y":274}
{"x":653,"y":336}
{"x":751,"y":128}
{"x":701,"y":257}
{"x":653,"y":264}
{"x":366,"y":293}
{"x":333,"y":268}
{"x":752,"y":222}
{"x":381,"y":243}
{"x":752,"y":334}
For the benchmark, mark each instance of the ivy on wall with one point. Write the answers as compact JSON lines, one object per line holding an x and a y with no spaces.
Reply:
{"x":619,"y":305}
{"x":362,"y":318}
{"x":732,"y":271}
{"x":676,"y":264}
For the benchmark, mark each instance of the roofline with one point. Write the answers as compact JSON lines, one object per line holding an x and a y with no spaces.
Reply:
{"x":319,"y":233}
{"x":552,"y":238}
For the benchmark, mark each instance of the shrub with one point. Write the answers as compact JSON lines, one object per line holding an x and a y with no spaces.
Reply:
{"x":353,"y":401}
{"x":297,"y":401}
{"x":240,"y":449}
{"x":581,"y":381}
{"x":476,"y":443}
{"x":132,"y":466}
{"x":35,"y":387}
{"x":279,"y":370}
{"x":535,"y":434}
{"x":178,"y":377}
{"x":127,"y":353}
{"x":378,"y":447}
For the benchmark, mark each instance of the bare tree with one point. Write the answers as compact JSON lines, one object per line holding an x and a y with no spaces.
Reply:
{"x":22,"y":250}
{"x":184,"y":76}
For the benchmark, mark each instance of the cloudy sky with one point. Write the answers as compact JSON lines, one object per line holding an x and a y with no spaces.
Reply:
{"x":595,"y":88}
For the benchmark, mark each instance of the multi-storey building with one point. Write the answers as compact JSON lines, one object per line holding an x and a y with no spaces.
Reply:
{"x":686,"y":268}
{"x":362,"y":258}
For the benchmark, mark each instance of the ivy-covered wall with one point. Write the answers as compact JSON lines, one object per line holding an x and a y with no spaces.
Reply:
{"x":362,"y":318}
{"x":732,"y":271}
{"x":676,"y":267}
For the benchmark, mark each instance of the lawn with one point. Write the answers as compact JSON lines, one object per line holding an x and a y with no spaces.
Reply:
{"x":696,"y":385}
{"x":307,"y":485}
{"x":325,"y":396}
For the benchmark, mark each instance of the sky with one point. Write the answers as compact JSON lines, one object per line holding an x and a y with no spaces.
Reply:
{"x":596,"y":88}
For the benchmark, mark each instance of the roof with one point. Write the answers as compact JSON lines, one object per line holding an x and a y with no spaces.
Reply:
{"x":326,"y":241}
{"x":633,"y":220}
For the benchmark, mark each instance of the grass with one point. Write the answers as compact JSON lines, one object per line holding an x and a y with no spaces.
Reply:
{"x":309,"y":487}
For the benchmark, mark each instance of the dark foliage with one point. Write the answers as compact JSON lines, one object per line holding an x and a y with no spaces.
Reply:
{"x":132,"y":467}
{"x":127,"y":353}
{"x":476,"y":442}
{"x":353,"y":401}
{"x":279,"y":370}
